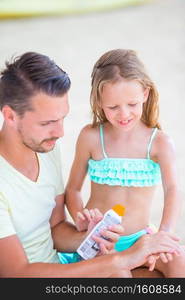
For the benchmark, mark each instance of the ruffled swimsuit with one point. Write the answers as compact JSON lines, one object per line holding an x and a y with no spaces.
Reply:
{"x":138,"y":172}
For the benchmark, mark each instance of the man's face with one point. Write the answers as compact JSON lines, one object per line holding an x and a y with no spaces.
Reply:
{"x":39,"y":129}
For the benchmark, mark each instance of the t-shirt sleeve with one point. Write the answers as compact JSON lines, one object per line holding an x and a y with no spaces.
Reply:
{"x":58,"y":160}
{"x":6,"y":226}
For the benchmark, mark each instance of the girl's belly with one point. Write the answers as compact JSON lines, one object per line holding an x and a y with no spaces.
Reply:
{"x":137,"y":202}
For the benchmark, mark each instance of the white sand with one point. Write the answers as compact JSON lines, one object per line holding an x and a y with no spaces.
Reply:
{"x":156,"y":31}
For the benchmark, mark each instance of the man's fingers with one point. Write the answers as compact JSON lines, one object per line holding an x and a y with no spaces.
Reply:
{"x":109,"y":235}
{"x":117,"y":228}
{"x":164,"y":242}
{"x":103,"y":249}
{"x":171,"y":235}
{"x":108,"y":244}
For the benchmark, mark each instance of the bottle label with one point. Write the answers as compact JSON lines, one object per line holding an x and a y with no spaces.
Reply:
{"x":89,"y":248}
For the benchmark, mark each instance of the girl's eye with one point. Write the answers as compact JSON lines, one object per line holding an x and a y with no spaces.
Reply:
{"x":132,"y":104}
{"x":112,"y":107}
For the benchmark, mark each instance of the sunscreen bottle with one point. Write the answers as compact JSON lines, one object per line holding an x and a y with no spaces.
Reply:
{"x":89,"y":248}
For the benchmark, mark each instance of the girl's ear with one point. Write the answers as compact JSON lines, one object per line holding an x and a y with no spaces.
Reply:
{"x":99,"y":104}
{"x":146,"y":94}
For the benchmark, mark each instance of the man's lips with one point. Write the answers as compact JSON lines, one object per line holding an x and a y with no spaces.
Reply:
{"x":50,"y":142}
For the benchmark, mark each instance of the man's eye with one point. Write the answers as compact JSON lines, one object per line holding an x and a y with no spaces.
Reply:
{"x":45,"y":124}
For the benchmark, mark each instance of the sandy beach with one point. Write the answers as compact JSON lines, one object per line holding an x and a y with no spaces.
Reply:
{"x":155,"y":30}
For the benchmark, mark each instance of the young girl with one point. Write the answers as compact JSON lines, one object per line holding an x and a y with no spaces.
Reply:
{"x":124,"y":151}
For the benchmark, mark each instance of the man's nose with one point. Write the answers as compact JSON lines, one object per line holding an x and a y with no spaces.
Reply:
{"x":58,"y":130}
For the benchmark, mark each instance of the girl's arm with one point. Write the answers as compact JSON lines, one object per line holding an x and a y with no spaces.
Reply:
{"x":167,"y":160}
{"x":78,"y":172}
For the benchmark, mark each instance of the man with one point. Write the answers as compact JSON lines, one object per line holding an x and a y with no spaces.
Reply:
{"x":34,"y":103}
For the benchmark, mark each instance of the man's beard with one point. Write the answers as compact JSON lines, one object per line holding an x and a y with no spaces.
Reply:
{"x":34,"y":145}
{"x":38,"y":147}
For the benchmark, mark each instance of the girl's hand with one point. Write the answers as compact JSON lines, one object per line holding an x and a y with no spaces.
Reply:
{"x":165,"y":257}
{"x":87,"y":219}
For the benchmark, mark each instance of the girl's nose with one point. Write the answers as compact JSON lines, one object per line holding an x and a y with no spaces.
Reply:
{"x":123,"y":113}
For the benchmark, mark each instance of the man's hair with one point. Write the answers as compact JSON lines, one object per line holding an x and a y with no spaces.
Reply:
{"x":27,"y":75}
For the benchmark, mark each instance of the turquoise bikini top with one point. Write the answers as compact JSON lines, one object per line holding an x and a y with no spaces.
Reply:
{"x":138,"y":172}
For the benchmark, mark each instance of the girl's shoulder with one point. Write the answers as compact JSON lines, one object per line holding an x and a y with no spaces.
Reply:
{"x":89,"y":133}
{"x":162,"y":142}
{"x":162,"y":138}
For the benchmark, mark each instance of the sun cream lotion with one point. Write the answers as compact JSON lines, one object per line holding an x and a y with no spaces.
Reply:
{"x":89,"y":248}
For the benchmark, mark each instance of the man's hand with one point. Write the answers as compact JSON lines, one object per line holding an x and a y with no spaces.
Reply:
{"x":151,"y":246}
{"x":107,"y":238}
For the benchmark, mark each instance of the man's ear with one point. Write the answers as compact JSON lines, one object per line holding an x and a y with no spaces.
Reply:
{"x":9,"y":115}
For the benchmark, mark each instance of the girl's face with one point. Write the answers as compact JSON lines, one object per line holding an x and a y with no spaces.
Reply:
{"x":122,"y":102}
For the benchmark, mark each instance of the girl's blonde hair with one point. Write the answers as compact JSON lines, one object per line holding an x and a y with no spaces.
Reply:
{"x":111,"y":67}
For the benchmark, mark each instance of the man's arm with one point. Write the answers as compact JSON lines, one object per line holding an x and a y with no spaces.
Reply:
{"x":62,"y":230}
{"x":14,"y":263}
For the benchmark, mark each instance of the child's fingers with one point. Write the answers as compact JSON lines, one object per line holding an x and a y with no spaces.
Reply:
{"x":97,"y":215}
{"x":169,"y":256}
{"x":92,"y":213}
{"x":87,"y":214}
{"x":80,"y":216}
{"x":152,"y":261}
{"x":152,"y":266}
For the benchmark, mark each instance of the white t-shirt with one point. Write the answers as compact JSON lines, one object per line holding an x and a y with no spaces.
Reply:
{"x":26,"y":206}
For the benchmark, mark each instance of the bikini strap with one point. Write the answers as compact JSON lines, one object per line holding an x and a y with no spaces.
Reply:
{"x":154,"y":131}
{"x":102,"y":141}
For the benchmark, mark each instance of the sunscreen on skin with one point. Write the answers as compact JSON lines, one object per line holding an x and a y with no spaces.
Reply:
{"x":89,"y":248}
